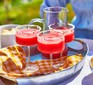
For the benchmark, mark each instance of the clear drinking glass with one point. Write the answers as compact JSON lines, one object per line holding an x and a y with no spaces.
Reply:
{"x":67,"y":29}
{"x":52,"y":15}
{"x":26,"y":35}
{"x":50,"y":42}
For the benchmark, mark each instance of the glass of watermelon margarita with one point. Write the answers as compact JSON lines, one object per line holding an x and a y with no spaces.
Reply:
{"x":68,"y":31}
{"x":26,"y":35}
{"x":50,"y":42}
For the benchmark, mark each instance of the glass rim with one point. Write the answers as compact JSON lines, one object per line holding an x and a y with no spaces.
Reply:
{"x":28,"y":25}
{"x":61,"y":35}
{"x":60,"y":9}
{"x":68,"y":24}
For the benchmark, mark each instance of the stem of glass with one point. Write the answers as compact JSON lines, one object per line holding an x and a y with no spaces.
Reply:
{"x":61,"y":58}
{"x":51,"y":58}
{"x":28,"y":57}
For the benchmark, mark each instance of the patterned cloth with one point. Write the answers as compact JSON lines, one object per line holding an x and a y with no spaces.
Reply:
{"x":11,"y":58}
{"x":13,"y":63}
{"x":44,"y":67}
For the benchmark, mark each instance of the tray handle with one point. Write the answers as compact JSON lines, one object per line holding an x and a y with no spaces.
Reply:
{"x":84,"y":50}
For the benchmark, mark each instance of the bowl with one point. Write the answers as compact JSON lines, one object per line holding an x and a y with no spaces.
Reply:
{"x":7,"y":35}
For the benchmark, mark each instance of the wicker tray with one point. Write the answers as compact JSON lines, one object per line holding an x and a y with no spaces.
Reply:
{"x":77,"y":46}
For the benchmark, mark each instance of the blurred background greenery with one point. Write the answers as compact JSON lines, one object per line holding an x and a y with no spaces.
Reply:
{"x":22,"y":11}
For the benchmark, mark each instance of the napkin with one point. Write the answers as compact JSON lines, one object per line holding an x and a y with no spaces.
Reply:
{"x":12,"y":58}
{"x":13,"y":62}
{"x":44,"y":70}
{"x":43,"y":65}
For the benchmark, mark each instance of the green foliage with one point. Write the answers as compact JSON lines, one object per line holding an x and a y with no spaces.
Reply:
{"x":22,"y":13}
{"x":16,"y":2}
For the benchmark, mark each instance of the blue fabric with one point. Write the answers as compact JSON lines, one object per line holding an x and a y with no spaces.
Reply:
{"x":84,"y":15}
